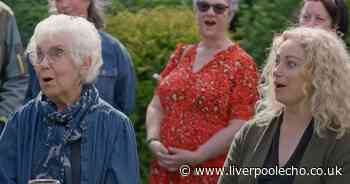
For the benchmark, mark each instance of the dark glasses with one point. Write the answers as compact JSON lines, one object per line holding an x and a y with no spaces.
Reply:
{"x":204,"y":6}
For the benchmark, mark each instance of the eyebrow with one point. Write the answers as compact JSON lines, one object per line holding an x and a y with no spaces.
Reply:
{"x":294,"y":57}
{"x":59,"y":46}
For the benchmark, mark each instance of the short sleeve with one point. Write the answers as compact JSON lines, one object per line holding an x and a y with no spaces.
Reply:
{"x":244,"y":88}
{"x":174,"y":59}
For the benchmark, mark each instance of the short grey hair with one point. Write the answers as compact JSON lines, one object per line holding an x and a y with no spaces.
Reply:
{"x":232,"y":7}
{"x":85,"y":40}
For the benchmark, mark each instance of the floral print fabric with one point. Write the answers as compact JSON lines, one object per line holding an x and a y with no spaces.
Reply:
{"x":197,"y":105}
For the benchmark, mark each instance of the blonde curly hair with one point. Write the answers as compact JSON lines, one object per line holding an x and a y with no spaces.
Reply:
{"x":327,"y":76}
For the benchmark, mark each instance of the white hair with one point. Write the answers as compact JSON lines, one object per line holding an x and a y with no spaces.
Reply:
{"x":85,"y":40}
{"x":232,"y":7}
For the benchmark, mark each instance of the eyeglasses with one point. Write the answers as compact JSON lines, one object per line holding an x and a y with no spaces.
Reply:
{"x":54,"y":55}
{"x":204,"y":6}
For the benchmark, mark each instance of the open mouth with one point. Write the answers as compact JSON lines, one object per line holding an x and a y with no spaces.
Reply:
{"x":210,"y":23}
{"x":47,"y":79}
{"x":280,"y":85}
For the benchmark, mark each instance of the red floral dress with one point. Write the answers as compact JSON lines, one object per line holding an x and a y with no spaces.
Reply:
{"x":198,"y":104}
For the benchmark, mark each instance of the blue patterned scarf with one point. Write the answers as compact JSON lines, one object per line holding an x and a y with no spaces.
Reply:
{"x":61,"y":129}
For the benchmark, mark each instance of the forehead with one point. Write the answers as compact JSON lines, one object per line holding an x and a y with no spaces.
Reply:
{"x":291,"y":47}
{"x":217,"y":1}
{"x":315,"y":6}
{"x":48,"y":40}
{"x":75,"y":2}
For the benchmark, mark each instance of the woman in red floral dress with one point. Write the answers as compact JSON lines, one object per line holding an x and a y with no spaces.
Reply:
{"x":205,"y":94}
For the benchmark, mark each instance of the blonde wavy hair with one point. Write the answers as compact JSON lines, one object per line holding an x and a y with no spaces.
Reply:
{"x":327,"y":80}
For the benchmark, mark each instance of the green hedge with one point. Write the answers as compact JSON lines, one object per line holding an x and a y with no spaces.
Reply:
{"x":258,"y":23}
{"x":150,"y":36}
{"x":28,"y":13}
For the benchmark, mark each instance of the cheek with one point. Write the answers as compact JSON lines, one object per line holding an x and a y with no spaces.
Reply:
{"x":59,"y":7}
{"x":328,"y":25}
{"x":68,"y":80}
{"x":300,"y":86}
{"x":66,"y":71}
{"x":82,"y":5}
{"x":224,"y":20}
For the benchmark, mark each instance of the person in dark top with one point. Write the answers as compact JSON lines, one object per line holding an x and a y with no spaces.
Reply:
{"x":302,"y":120}
{"x":13,"y":71}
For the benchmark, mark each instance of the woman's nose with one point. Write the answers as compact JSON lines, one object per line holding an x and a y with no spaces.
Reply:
{"x":277,"y":70}
{"x":45,"y":62}
{"x":211,"y":11}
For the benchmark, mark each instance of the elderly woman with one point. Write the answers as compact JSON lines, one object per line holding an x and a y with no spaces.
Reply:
{"x":325,"y":14}
{"x":68,"y":132}
{"x":205,"y":94}
{"x":116,"y":80}
{"x":303,"y":119}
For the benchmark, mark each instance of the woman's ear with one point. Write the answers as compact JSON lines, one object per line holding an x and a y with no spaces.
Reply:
{"x":87,"y":62}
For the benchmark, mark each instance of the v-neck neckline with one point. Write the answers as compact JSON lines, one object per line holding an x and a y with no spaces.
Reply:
{"x":212,"y":60}
{"x":299,"y":149}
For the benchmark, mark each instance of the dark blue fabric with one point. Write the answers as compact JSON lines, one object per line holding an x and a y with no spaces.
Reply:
{"x":2,"y":125}
{"x":108,"y":143}
{"x":116,"y":82}
{"x":62,"y":128}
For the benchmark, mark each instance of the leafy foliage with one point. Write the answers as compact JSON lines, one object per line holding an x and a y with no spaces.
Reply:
{"x":28,"y":14}
{"x":259,"y":21}
{"x":150,"y":35}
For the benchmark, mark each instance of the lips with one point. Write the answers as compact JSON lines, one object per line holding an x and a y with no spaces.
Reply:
{"x":209,"y":23}
{"x":279,"y":85}
{"x":47,"y":79}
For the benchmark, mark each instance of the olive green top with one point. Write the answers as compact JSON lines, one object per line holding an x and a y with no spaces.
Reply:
{"x":252,"y":143}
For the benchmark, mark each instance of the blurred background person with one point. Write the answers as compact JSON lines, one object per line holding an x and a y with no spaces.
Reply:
{"x":303,"y":119}
{"x":116,"y":81}
{"x":326,"y":14}
{"x":13,"y":74}
{"x":206,"y":92}
{"x":68,"y":132}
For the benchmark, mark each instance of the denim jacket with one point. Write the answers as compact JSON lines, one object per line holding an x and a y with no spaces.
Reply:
{"x":13,"y":74}
{"x":116,"y":81}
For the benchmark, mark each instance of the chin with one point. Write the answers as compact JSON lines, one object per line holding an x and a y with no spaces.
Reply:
{"x":49,"y":92}
{"x":281,"y":100}
{"x":209,"y":34}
